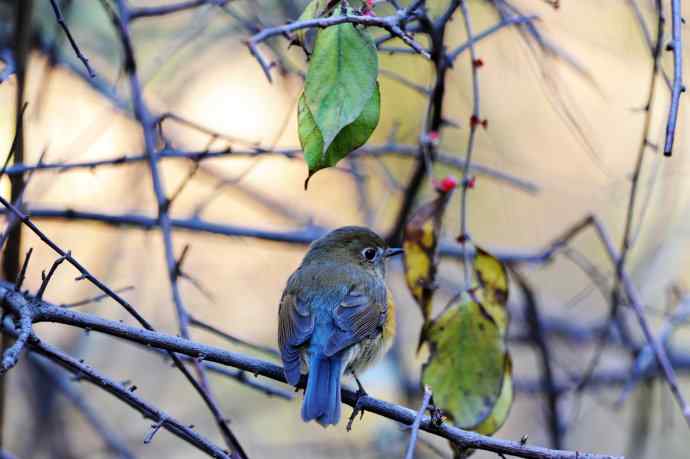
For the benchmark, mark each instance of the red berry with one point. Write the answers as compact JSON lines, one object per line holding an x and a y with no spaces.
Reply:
{"x":446,"y":185}
{"x":476,"y":121}
{"x":478,"y":63}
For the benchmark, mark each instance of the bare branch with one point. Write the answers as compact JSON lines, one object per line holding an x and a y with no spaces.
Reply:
{"x":61,"y":20}
{"x":414,"y":429}
{"x":678,"y":87}
{"x":10,"y":356}
{"x":156,"y":11}
{"x":147,"y":123}
{"x":110,"y":438}
{"x":393,"y":24}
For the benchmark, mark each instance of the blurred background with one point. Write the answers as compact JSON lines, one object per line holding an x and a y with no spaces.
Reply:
{"x":566,"y":119}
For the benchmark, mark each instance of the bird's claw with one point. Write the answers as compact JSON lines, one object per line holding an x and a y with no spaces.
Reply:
{"x":357,"y":409}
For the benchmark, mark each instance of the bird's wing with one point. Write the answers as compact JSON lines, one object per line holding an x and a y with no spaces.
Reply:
{"x":359,"y":315}
{"x":295,"y":326}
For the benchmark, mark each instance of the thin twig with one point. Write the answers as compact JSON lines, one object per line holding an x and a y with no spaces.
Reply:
{"x":157,"y":11}
{"x":22,"y":272}
{"x":61,"y":20}
{"x":194,"y":322}
{"x":678,"y":87}
{"x":393,"y":24}
{"x":49,"y":276}
{"x":447,"y":158}
{"x":475,"y":121}
{"x":414,"y":429}
{"x":96,"y":299}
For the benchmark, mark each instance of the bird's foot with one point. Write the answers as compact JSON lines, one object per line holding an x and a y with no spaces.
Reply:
{"x":360,"y":394}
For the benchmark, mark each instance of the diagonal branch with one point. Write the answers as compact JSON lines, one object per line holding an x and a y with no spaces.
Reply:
{"x":147,"y":122}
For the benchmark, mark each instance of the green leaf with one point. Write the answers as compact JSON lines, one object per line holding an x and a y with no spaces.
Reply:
{"x":466,"y":365}
{"x":349,"y":138}
{"x":341,"y":78}
{"x":499,"y":414}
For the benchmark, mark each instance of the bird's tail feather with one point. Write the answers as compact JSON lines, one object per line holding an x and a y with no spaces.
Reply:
{"x":322,"y":397}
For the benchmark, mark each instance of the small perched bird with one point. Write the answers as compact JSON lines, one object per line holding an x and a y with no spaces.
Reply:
{"x":335,"y":316}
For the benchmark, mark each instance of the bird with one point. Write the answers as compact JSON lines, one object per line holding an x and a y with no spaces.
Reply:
{"x":336,"y":316}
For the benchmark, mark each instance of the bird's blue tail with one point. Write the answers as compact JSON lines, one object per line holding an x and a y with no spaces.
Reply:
{"x":322,"y":397}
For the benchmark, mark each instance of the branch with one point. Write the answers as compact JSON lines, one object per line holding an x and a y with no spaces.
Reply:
{"x":678,"y":87}
{"x":61,"y":20}
{"x":415,"y":425}
{"x":155,"y":11}
{"x":395,"y":24}
{"x":503,"y":23}
{"x":548,"y":383}
{"x":85,"y":372}
{"x":45,"y":312}
{"x":427,"y":150}
{"x":375,"y":151}
{"x":634,"y":299}
{"x":147,"y":123}
{"x":10,"y":357}
{"x":110,"y":438}
{"x":475,"y":121}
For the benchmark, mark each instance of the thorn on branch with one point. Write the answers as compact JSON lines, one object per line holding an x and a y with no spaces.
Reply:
{"x":22,"y":272}
{"x":476,"y":121}
{"x":154,"y":429}
{"x":51,"y":272}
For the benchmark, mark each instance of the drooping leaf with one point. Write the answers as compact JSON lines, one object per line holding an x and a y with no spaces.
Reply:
{"x":348,"y":139}
{"x":341,"y":78}
{"x":466,"y":363}
{"x":420,"y":259}
{"x":492,"y":293}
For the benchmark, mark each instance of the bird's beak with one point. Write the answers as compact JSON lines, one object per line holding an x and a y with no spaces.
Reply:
{"x":391,"y":252}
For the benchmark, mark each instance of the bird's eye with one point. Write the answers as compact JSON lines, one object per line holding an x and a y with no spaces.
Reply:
{"x":369,"y":253}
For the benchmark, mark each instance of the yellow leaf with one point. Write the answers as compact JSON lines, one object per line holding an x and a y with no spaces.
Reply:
{"x":492,"y":293}
{"x":421,"y":251}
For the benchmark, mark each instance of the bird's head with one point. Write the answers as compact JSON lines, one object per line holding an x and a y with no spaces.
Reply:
{"x":352,"y":244}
